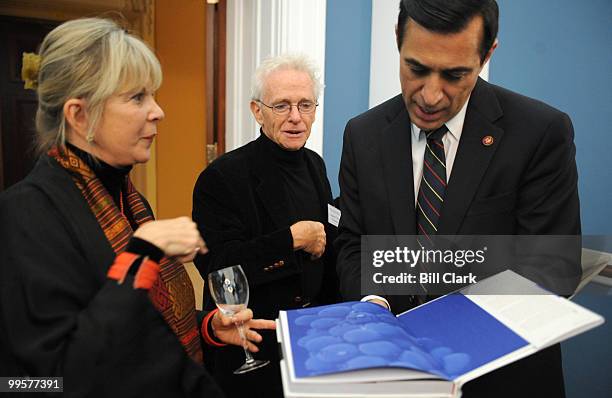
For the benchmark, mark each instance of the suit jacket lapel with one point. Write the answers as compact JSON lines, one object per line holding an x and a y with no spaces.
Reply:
{"x":396,"y":158}
{"x":472,"y":157}
{"x":270,"y":188}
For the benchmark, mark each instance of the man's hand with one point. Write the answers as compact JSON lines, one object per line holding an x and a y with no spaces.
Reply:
{"x":309,"y":236}
{"x":177,"y":237}
{"x":225,"y":328}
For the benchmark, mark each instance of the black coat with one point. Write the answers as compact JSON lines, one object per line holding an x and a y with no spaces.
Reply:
{"x":241,"y":207}
{"x":61,"y":316}
{"x":523,"y":184}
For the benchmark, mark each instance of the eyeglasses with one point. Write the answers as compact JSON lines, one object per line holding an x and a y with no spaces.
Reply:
{"x":283,"y":108}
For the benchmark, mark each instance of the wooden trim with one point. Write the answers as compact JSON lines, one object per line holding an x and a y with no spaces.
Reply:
{"x":63,"y":10}
{"x":215,"y":78}
{"x":220,"y":66}
{"x":210,"y":76}
{"x":137,"y":15}
{"x":1,"y":157}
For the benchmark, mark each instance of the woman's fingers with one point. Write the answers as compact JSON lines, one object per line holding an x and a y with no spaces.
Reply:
{"x":177,"y":237}
{"x":245,"y":316}
{"x":242,"y":316}
{"x":254,"y":336}
{"x":262,"y":324}
{"x":201,"y":247}
{"x":252,"y":347}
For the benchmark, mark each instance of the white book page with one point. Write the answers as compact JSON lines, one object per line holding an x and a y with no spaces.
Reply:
{"x":391,"y":389}
{"x":368,"y":376}
{"x":541,"y":319}
{"x":536,"y":315}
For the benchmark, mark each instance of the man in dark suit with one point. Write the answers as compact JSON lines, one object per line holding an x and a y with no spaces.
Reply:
{"x":265,"y":206}
{"x":455,"y":155}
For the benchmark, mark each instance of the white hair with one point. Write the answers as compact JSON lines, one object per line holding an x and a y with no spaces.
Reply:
{"x":298,"y":62}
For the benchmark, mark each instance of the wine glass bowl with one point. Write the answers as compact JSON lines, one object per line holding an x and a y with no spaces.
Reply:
{"x":229,"y":288}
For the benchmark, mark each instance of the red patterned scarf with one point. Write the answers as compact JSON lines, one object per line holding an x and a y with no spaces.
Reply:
{"x":172,"y":293}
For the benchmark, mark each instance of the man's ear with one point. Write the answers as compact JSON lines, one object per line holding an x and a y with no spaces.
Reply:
{"x":256,"y":111}
{"x":397,"y":37}
{"x":76,"y":117}
{"x":490,"y":53}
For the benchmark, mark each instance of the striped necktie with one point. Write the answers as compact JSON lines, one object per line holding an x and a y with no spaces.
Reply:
{"x":433,"y":184}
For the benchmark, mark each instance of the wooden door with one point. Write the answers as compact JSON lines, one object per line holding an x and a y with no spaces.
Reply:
{"x":17,"y":105}
{"x":137,"y":15}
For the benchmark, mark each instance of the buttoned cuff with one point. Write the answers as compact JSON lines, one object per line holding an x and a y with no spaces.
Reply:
{"x":375,"y":297}
{"x":207,"y":332}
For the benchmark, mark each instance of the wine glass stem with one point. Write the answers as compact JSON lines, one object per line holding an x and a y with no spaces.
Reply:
{"x":247,"y":353}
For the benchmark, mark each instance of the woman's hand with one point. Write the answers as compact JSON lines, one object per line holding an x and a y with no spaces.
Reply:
{"x":225,"y":328}
{"x":176,"y":237}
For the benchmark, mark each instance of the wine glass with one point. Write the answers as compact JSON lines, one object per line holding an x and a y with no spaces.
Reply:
{"x":230,"y":290}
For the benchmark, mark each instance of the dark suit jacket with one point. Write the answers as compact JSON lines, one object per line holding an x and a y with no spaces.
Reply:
{"x":523,"y":184}
{"x":241,"y":207}
{"x":61,"y":316}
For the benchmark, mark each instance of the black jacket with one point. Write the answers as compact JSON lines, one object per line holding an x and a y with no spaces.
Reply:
{"x":61,"y":316}
{"x":241,"y":208}
{"x":525,"y":183}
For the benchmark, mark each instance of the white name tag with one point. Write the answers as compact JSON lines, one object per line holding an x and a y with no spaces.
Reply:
{"x":333,"y":215}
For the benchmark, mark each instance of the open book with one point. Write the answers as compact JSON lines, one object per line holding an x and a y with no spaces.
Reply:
{"x":361,"y":349}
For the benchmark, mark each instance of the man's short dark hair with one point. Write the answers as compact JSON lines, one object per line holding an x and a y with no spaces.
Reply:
{"x":450,"y":16}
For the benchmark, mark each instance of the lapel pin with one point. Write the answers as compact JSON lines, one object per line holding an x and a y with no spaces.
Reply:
{"x":488,"y":140}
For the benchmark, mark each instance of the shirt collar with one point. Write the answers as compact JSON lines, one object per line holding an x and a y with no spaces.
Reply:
{"x":454,"y":125}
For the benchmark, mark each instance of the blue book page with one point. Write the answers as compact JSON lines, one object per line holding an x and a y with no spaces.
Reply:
{"x":351,"y":336}
{"x":459,"y":335}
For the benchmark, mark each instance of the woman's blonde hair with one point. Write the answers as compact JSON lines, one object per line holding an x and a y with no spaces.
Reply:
{"x":90,"y":59}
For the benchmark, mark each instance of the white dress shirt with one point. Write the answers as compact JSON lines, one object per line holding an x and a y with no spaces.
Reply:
{"x":419,"y":142}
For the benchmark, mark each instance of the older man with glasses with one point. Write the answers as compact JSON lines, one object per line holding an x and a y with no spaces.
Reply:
{"x":265,"y":206}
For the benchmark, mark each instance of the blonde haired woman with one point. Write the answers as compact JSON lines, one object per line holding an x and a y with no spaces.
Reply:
{"x":91,"y":288}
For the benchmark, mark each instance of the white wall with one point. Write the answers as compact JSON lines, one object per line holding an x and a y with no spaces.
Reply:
{"x":257,"y":29}
{"x":384,"y":60}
